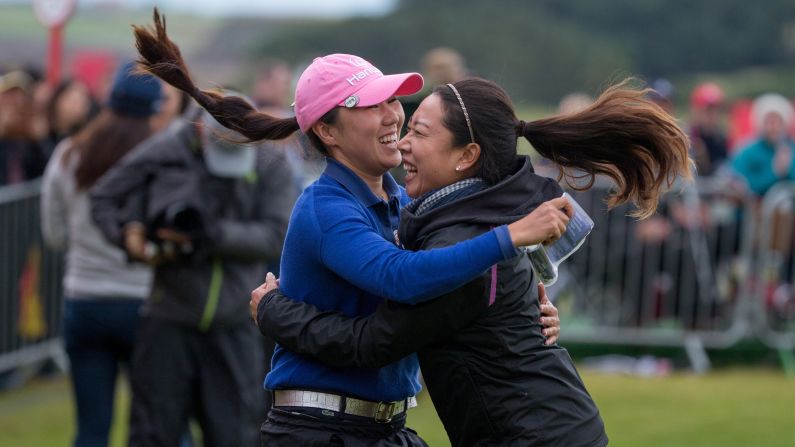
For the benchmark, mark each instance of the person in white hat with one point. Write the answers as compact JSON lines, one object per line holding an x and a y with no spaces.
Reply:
{"x":769,"y":158}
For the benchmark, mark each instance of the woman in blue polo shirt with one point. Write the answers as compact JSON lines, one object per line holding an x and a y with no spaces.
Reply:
{"x":341,"y":251}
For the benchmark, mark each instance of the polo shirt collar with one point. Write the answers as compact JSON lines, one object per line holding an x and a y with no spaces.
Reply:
{"x":357,"y":186}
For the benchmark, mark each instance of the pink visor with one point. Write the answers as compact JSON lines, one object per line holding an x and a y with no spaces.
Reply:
{"x":348,"y":81}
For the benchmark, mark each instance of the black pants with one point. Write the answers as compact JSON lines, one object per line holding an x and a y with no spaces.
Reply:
{"x":214,"y":377}
{"x":288,"y":429}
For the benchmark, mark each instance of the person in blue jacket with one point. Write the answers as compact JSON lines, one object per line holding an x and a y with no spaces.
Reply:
{"x":768,"y":159}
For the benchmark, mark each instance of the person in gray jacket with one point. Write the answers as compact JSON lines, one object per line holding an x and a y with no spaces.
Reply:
{"x":102,"y":291}
{"x":209,"y":214}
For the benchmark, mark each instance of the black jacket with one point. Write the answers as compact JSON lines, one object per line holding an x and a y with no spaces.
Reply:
{"x":29,"y":157}
{"x":491,"y":378}
{"x":245,"y":221}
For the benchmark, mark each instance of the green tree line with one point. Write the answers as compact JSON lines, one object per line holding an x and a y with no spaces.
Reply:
{"x":541,"y":49}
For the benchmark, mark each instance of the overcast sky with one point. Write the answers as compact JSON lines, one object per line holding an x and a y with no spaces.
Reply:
{"x":274,"y":8}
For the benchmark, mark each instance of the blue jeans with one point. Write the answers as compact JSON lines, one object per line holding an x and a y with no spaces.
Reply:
{"x":99,"y":336}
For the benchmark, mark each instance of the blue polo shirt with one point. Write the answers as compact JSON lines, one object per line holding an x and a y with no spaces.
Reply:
{"x":340,"y":254}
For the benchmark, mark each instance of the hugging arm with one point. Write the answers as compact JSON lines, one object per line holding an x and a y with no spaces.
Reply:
{"x":353,"y":250}
{"x":394,"y":331}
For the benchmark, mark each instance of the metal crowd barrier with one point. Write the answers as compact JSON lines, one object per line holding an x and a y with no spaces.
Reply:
{"x":30,"y":284}
{"x":712,"y":268}
{"x":678,"y":278}
{"x":775,"y":270}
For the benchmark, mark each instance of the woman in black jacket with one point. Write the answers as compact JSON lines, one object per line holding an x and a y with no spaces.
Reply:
{"x":492,"y":378}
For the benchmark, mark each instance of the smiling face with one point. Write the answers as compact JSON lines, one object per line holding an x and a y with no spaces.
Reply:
{"x":365,"y":138}
{"x":429,"y":157}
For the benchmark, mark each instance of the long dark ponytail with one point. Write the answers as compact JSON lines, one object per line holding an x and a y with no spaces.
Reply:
{"x":622,"y":135}
{"x":162,"y":58}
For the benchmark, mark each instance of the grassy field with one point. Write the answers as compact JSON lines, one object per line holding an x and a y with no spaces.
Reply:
{"x":725,"y":408}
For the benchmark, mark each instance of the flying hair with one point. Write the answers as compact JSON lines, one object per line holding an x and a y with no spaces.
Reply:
{"x":622,"y":135}
{"x":161,"y":57}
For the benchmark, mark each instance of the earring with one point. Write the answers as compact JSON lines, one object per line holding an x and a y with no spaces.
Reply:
{"x":457,"y":168}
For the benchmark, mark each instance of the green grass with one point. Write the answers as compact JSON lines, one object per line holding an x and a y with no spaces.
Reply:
{"x":726,"y":408}
{"x":731,"y":408}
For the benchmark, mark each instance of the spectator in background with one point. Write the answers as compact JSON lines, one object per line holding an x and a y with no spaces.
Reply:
{"x":21,"y":155}
{"x":272,"y":87}
{"x":41,"y":96}
{"x":574,"y":102}
{"x":443,"y":66}
{"x":764,"y":162}
{"x":175,"y":102}
{"x":103,"y":291}
{"x":271,"y":92}
{"x":769,"y":158}
{"x":69,"y":109}
{"x":439,"y":66}
{"x":209,"y":215}
{"x":663,"y":94}
{"x":706,"y":136}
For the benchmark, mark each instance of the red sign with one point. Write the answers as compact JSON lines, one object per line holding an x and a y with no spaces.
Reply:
{"x":53,"y":14}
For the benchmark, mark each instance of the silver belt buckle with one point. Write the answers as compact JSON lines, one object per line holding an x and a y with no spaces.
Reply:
{"x":384,"y":412}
